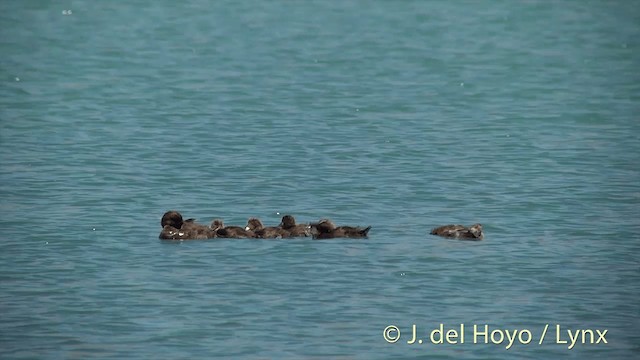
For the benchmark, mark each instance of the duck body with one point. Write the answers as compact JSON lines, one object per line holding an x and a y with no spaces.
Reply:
{"x":326,"y":229}
{"x":473,"y":232}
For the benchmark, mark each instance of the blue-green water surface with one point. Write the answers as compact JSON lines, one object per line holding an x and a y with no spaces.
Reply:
{"x":403,"y":115}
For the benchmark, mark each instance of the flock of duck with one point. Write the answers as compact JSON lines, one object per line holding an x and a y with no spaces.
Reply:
{"x":175,"y":228}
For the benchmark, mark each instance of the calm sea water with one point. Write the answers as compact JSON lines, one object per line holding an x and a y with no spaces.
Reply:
{"x":401,"y":115}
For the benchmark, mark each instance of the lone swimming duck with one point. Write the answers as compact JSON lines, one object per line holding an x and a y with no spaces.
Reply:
{"x":235,"y":232}
{"x":269,"y":232}
{"x":473,"y":232}
{"x":326,"y":229}
{"x":288,"y":223}
{"x":175,"y":228}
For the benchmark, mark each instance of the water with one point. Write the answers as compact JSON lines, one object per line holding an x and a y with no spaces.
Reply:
{"x":400,"y":115}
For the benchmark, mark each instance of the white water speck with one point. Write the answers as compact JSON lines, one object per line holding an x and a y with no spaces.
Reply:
{"x":94,"y":229}
{"x":67,"y":12}
{"x":357,"y":109}
{"x":461,"y":84}
{"x":17,"y":78}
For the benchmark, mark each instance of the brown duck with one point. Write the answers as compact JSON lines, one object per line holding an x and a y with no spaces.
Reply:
{"x":234,"y":232}
{"x":288,"y":223}
{"x":473,"y":232}
{"x":269,"y":232}
{"x":326,"y":229}
{"x":174,"y":228}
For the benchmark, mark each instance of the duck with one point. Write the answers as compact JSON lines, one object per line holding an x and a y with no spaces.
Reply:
{"x":473,"y":232}
{"x":270,"y":232}
{"x":326,"y":229}
{"x":175,"y":228}
{"x":288,"y":223}
{"x":234,"y":232}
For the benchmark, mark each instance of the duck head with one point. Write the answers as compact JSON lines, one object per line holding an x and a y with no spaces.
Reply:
{"x":172,"y":218}
{"x":254,"y":224}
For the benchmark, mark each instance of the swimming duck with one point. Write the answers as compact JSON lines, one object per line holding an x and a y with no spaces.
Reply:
{"x":473,"y":232}
{"x":326,"y":229}
{"x":230,"y":231}
{"x":288,"y":223}
{"x":270,"y":232}
{"x":175,"y":228}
